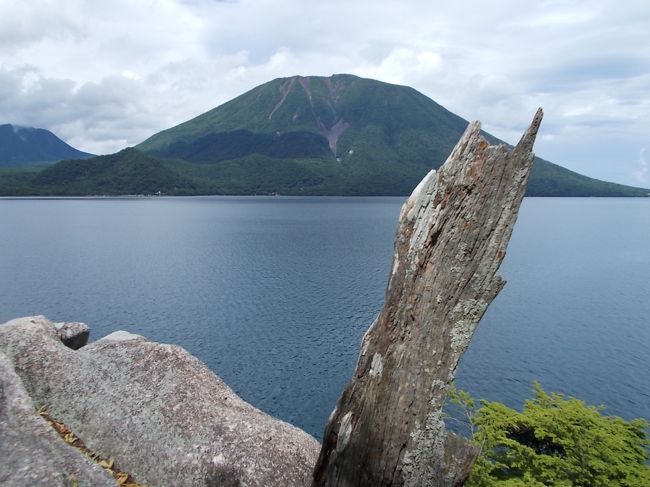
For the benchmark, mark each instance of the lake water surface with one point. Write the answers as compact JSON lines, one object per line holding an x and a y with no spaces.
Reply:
{"x":274,"y":293}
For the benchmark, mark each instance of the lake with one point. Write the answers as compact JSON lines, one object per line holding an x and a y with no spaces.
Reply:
{"x":275,"y":293}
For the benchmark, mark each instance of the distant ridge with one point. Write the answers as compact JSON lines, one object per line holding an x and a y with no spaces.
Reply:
{"x":302,"y":135}
{"x":21,"y":146}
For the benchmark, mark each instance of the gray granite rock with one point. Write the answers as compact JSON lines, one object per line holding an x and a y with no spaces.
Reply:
{"x":158,"y":411}
{"x":31,"y":452}
{"x":73,"y":334}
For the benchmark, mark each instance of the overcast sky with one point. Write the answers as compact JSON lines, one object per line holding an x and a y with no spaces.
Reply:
{"x":106,"y":75}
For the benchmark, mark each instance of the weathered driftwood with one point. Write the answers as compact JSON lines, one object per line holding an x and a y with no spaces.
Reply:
{"x":453,"y":231}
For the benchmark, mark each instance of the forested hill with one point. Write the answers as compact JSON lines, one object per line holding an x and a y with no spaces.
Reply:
{"x":337,"y":135}
{"x":20,"y":146}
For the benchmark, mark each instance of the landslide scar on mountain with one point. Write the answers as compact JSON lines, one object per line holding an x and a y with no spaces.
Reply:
{"x":331,"y":133}
{"x":286,"y":88}
{"x":334,"y":133}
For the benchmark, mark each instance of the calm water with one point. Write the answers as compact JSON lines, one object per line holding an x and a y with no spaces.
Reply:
{"x":274,"y":294}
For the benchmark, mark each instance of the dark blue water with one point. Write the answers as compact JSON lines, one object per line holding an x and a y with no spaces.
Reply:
{"x":274,"y":294}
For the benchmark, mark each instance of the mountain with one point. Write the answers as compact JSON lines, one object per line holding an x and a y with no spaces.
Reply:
{"x":345,"y":134}
{"x":382,"y":138}
{"x":28,"y":145}
{"x":338,"y":135}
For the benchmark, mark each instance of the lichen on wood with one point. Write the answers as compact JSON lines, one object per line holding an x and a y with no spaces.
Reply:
{"x":387,"y":428}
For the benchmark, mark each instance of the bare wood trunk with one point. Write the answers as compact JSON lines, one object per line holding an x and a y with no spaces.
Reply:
{"x":453,"y":232}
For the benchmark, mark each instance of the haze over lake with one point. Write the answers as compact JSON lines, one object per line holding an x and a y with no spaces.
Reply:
{"x":274,"y":293}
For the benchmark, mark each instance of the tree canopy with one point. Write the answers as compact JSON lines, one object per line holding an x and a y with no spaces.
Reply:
{"x":554,"y":441}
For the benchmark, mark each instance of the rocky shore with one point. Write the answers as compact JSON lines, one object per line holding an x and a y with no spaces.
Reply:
{"x":153,"y":409}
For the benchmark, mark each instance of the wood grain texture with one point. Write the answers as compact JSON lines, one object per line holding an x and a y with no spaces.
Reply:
{"x":452,"y":236}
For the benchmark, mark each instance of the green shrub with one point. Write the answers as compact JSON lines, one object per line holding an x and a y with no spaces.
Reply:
{"x":554,"y":441}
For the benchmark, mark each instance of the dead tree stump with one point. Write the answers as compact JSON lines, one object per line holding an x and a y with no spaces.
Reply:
{"x":387,"y":428}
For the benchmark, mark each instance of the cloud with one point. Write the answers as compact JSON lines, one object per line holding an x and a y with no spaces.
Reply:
{"x":641,"y":174}
{"x":96,"y":116}
{"x":23,"y":23}
{"x":404,"y":65}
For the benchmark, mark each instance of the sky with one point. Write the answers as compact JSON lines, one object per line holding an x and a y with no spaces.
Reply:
{"x":107,"y":75}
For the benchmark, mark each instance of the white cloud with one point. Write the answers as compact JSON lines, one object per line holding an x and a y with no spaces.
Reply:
{"x":104,"y":76}
{"x":404,"y":66}
{"x":641,"y":174}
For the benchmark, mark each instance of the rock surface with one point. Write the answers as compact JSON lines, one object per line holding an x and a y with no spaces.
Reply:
{"x":31,"y":452}
{"x":73,"y":334}
{"x":159,"y":412}
{"x":453,"y":232}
